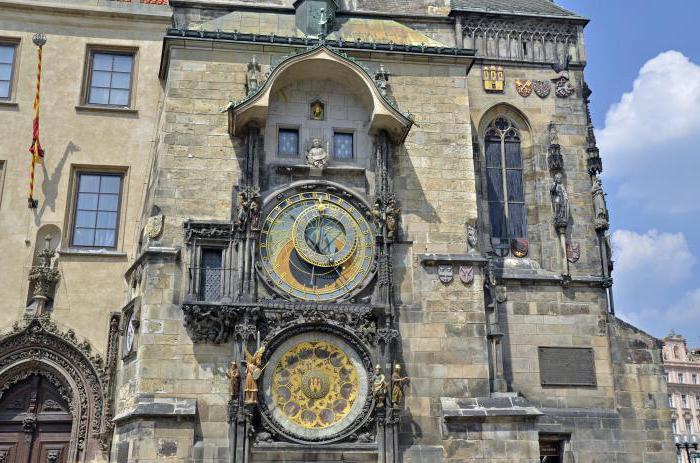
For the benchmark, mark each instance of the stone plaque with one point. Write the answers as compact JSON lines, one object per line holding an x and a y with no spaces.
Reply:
{"x":567,"y":366}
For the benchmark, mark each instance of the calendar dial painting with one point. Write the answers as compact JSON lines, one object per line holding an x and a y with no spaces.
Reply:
{"x":316,"y":246}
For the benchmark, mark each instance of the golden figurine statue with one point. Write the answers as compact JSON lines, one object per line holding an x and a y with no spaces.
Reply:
{"x":234,"y":376}
{"x":379,"y":387}
{"x":398,"y":383}
{"x":253,"y":372}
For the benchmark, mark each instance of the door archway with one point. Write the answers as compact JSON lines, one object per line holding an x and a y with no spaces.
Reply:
{"x":35,"y":421}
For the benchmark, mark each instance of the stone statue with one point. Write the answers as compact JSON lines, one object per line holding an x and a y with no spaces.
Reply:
{"x":242,"y":216}
{"x":317,"y":155}
{"x":392,"y":219}
{"x":234,"y":376}
{"x":253,"y":372}
{"x":560,"y":202}
{"x":253,"y":76}
{"x":379,"y":387}
{"x":600,"y":207}
{"x":254,"y":214}
{"x":398,"y":383}
{"x":553,"y":134}
{"x":323,"y":24}
{"x":472,"y":236}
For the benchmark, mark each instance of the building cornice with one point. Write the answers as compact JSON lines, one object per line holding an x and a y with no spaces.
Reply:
{"x":132,"y":11}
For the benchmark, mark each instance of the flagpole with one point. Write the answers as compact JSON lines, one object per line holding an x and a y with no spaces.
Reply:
{"x":35,"y":149}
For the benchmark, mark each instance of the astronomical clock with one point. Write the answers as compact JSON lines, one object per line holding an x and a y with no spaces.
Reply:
{"x":317,"y":249}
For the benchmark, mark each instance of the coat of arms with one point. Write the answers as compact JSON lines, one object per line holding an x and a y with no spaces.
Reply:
{"x":562,"y":87}
{"x":524,"y":87}
{"x":541,"y":88}
{"x":494,"y":78}
{"x":445,"y":273}
{"x":466,"y":274}
{"x":520,"y":247}
{"x":154,"y":224}
{"x":573,"y":252}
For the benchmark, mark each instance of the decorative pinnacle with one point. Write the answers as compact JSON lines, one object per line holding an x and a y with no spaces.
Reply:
{"x":39,"y":39}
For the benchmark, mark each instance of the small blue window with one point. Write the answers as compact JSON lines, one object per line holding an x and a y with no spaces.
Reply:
{"x":288,"y":143}
{"x":110,"y":79}
{"x":342,"y":146}
{"x":7,"y":61}
{"x":97,"y":210}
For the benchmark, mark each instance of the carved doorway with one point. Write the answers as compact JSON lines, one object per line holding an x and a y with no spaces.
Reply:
{"x":35,"y":423}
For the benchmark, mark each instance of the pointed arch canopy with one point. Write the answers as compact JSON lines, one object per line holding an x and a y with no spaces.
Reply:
{"x":321,"y":62}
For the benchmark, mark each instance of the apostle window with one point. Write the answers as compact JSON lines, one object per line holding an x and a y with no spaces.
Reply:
{"x":110,"y":78}
{"x":342,"y":146}
{"x":288,"y":143}
{"x":8,"y":53}
{"x":96,"y":210}
{"x":504,"y":181}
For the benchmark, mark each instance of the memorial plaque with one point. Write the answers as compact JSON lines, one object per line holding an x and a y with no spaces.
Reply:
{"x":567,"y":366}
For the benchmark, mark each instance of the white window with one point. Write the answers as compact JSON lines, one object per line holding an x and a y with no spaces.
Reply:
{"x":684,"y":400}
{"x":670,"y":400}
{"x":674,"y":426}
{"x":681,"y":378}
{"x":695,"y":378}
{"x":688,"y":426}
{"x":697,"y":402}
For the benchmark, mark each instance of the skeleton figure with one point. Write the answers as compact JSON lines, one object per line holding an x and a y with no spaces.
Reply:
{"x":560,"y":202}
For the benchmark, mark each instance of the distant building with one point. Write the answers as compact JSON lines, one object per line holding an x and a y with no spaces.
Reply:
{"x":683,"y":377}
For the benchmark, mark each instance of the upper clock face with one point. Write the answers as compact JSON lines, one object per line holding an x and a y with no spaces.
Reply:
{"x":316,"y":246}
{"x":130,"y":332}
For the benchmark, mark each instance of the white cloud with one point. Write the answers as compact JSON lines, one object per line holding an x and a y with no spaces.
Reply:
{"x":651,"y":271}
{"x":649,"y":144}
{"x":651,"y":258}
{"x":664,"y":104}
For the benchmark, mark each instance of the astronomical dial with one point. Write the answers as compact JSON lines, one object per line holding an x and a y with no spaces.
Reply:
{"x":130,"y":333}
{"x":316,"y":246}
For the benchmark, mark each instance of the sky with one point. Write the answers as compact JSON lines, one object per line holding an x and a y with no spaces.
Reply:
{"x":643,"y":65}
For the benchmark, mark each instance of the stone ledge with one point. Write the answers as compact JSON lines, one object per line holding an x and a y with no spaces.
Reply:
{"x":97,"y":252}
{"x":465,"y":408}
{"x":150,"y":406}
{"x":580,"y":412}
{"x":153,"y":252}
{"x":434,"y":259}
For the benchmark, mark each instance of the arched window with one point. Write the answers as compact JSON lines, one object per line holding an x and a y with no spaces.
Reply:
{"x":504,"y":180}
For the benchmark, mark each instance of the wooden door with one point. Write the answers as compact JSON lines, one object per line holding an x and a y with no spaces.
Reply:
{"x":35,"y":423}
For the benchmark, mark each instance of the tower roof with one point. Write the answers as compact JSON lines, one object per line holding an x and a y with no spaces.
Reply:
{"x":517,"y":7}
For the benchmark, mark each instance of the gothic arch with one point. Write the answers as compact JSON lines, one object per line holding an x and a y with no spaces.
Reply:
{"x":520,"y":122}
{"x":321,"y":62}
{"x":39,"y":347}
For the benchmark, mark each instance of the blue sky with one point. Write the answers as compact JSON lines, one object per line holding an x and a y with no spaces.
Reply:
{"x":644,"y":70}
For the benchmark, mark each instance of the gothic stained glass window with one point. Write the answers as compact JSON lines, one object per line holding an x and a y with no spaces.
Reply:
{"x":504,"y":181}
{"x":210,"y":275}
{"x":342,"y":146}
{"x":288,"y":143}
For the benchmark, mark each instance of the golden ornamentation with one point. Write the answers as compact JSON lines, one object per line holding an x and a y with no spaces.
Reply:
{"x":316,"y":246}
{"x":524,"y":87}
{"x":315,"y":384}
{"x":494,"y":78}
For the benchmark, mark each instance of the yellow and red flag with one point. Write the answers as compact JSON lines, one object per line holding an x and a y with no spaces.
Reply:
{"x":35,"y":149}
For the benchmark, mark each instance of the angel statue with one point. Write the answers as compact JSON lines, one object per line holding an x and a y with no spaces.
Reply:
{"x":253,"y":370}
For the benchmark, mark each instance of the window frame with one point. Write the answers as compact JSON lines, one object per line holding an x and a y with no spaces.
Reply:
{"x":3,"y":169}
{"x":353,"y":155}
{"x":493,"y":133}
{"x":200,"y":284}
{"x":74,"y":205}
{"x":16,"y":42}
{"x":288,"y":128}
{"x":88,"y":69}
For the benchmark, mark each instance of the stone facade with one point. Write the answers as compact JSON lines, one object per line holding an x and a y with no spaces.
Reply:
{"x":682,"y":367}
{"x":510,"y":342}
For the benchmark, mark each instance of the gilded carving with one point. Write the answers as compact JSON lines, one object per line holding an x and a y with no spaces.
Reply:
{"x":493,"y":78}
{"x":254,"y":369}
{"x":524,"y":87}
